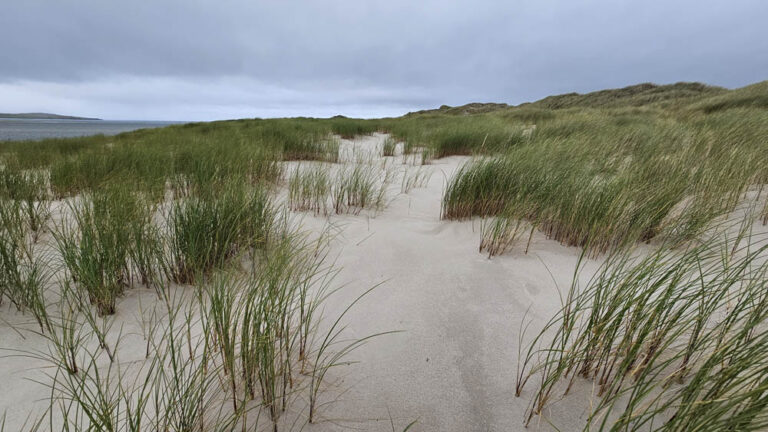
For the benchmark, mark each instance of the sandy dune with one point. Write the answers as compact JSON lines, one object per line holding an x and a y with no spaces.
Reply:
{"x":452,"y":366}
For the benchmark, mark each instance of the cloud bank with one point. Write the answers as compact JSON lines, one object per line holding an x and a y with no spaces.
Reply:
{"x":203,"y":60}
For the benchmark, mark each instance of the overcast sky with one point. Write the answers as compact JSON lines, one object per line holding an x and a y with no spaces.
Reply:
{"x":204,"y":60}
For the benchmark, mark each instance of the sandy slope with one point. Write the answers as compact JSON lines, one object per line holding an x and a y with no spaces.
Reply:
{"x":451,"y":368}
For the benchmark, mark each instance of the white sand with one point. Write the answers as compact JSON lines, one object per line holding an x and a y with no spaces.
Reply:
{"x":453,"y":366}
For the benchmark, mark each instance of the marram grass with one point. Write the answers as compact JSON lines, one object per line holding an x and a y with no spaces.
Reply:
{"x":675,"y":340}
{"x":593,"y":182}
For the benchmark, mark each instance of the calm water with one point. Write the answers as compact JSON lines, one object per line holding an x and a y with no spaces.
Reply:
{"x":28,"y":129}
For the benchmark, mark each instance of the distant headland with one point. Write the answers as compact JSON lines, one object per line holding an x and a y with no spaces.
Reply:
{"x":44,"y":116}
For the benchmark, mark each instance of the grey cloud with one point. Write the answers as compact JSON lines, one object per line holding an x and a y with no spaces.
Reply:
{"x":363,"y":57}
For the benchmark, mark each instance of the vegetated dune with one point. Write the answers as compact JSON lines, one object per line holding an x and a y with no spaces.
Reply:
{"x":645,"y":94}
{"x":636,"y":95}
{"x":590,"y":262}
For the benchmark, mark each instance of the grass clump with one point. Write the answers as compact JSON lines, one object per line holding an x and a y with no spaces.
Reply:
{"x":415,"y":178}
{"x":309,"y":189}
{"x":674,"y":339}
{"x":97,"y":243}
{"x":350,"y":128}
{"x":209,"y":230}
{"x":325,"y":149}
{"x":174,"y":389}
{"x":593,"y":182}
{"x":388,"y":147}
{"x":445,"y":136}
{"x":356,"y":188}
{"x":30,"y":190}
{"x":500,"y":234}
{"x":349,"y":190}
{"x":295,"y":139}
{"x":241,"y":349}
{"x":202,"y":166}
{"x":93,"y":169}
{"x":467,"y":140}
{"x":23,"y":275}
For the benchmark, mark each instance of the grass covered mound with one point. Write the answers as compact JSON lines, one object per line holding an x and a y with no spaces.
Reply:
{"x":605,"y":179}
{"x":635,"y":95}
{"x":198,"y":153}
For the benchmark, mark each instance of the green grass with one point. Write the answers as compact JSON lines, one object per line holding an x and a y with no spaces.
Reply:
{"x":29,"y":189}
{"x":346,"y":189}
{"x":675,"y":339}
{"x":351,"y":128}
{"x":388,"y":147}
{"x":206,"y":232}
{"x":446,"y":136}
{"x":356,"y":188}
{"x":754,"y":96}
{"x":96,"y":243}
{"x":309,"y":189}
{"x":239,"y":352}
{"x":604,"y":181}
{"x":23,"y":274}
{"x":636,"y":95}
{"x":197,"y":152}
{"x":413,"y":178}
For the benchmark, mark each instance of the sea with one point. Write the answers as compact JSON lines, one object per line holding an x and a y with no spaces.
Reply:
{"x":36,"y":129}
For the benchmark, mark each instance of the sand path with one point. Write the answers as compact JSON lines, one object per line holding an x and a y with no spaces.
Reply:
{"x":452,"y":368}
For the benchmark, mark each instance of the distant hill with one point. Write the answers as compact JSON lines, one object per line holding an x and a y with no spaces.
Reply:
{"x":635,"y":95}
{"x":678,"y":94}
{"x":44,"y":116}
{"x":470,"y":108}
